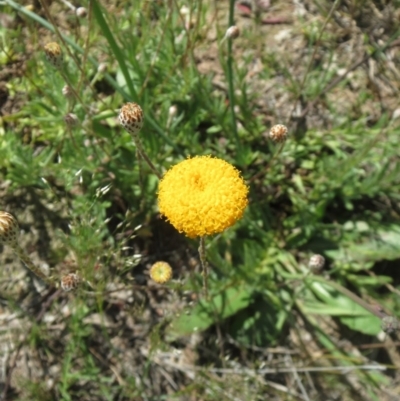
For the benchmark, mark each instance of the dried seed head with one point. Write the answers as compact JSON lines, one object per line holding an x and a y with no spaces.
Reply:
{"x":81,"y":12}
{"x":184,"y":11}
{"x":161,"y":272}
{"x":9,"y":229}
{"x":54,"y":54}
{"x":316,"y":262}
{"x":70,"y":282}
{"x":172,"y":111}
{"x":390,"y":324}
{"x":278,"y":133}
{"x":171,"y":114}
{"x":67,"y":91}
{"x":71,"y":120}
{"x":131,"y":118}
{"x":102,"y":68}
{"x":232,"y":32}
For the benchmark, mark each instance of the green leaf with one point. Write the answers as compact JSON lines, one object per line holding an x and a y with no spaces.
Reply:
{"x":119,"y":55}
{"x":383,"y":245}
{"x":214,"y":129}
{"x":370,"y":324}
{"x":362,"y":281}
{"x":349,"y":312}
{"x":206,"y":313}
{"x":261,"y":323}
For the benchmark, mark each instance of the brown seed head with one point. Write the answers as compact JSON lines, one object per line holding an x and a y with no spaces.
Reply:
{"x":70,"y":282}
{"x":131,"y":117}
{"x":67,"y":91}
{"x":54,"y":54}
{"x":390,"y":324}
{"x":161,"y":272}
{"x":102,"y":68}
{"x":232,"y":32}
{"x":316,"y":262}
{"x":71,"y":120}
{"x":172,"y":111}
{"x":9,"y":229}
{"x":81,"y":12}
{"x":278,"y":133}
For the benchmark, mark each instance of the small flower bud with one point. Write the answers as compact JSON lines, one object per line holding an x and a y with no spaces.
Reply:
{"x":278,"y":133}
{"x":102,"y":68}
{"x":172,"y":111}
{"x":81,"y":12}
{"x":53,"y":54}
{"x":131,"y":118}
{"x":316,"y":262}
{"x":161,"y":272}
{"x":71,"y":120}
{"x":70,"y":282}
{"x":390,"y":324}
{"x":232,"y":32}
{"x":9,"y":235}
{"x":184,"y":11}
{"x":171,"y":114}
{"x":67,"y":91}
{"x":9,"y":229}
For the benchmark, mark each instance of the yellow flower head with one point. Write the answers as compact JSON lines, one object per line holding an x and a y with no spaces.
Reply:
{"x":161,"y":272}
{"x":202,"y":196}
{"x":54,"y":54}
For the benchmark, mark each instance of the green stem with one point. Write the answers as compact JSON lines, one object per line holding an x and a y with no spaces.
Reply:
{"x":143,"y":154}
{"x":27,"y":261}
{"x":263,"y":172}
{"x":204,"y":264}
{"x":229,"y":65}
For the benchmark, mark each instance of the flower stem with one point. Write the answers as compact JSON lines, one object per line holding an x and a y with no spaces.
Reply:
{"x":229,"y":65}
{"x":27,"y":261}
{"x":143,"y":154}
{"x":204,"y":265}
{"x":263,"y":172}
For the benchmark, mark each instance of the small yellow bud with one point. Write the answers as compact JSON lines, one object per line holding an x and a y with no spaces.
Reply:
{"x":53,"y":54}
{"x":161,"y":272}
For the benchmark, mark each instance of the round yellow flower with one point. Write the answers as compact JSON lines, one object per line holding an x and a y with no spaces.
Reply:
{"x":202,"y":196}
{"x":161,"y":272}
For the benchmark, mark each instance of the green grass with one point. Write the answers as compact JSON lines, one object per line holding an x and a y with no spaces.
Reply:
{"x":84,"y":199}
